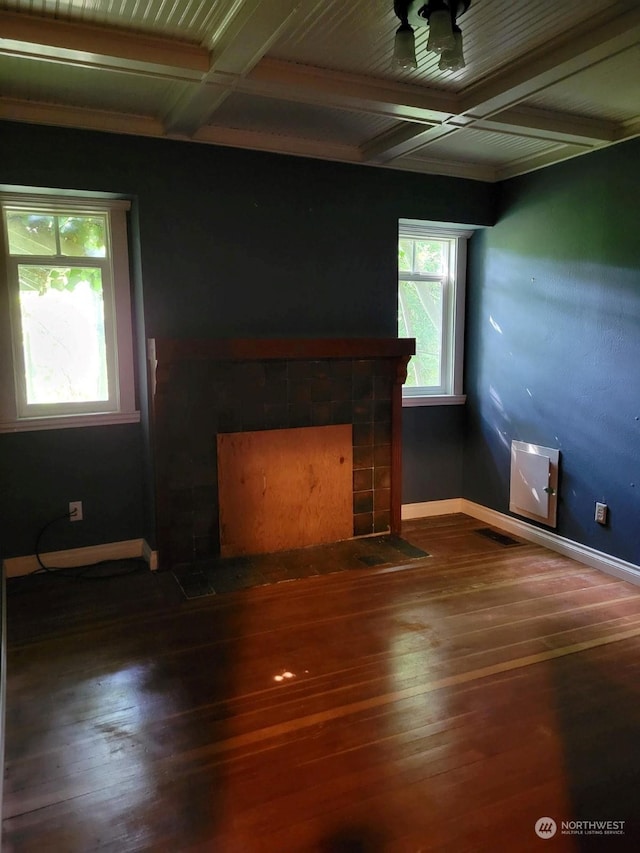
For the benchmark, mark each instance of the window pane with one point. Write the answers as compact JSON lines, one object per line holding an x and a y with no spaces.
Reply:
{"x":31,"y":234}
{"x":431,"y":256}
{"x":420,"y":317}
{"x":63,"y":336}
{"x":82,"y":236}
{"x":405,"y":254}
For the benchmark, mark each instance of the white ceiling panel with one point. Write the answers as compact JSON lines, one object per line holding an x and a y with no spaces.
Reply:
{"x":357,"y":37}
{"x":191,"y":20}
{"x":543,"y":80}
{"x":477,"y":146}
{"x":609,"y":90}
{"x":498,"y":33}
{"x":86,"y":88}
{"x":353,"y":37}
{"x":266,"y":115}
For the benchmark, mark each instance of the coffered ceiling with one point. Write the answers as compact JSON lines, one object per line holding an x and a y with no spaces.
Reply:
{"x":544,"y":80}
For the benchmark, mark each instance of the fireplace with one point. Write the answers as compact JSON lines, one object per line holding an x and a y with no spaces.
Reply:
{"x":211,"y":393}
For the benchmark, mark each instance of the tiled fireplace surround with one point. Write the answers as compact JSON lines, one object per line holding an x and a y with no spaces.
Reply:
{"x":203,"y":388}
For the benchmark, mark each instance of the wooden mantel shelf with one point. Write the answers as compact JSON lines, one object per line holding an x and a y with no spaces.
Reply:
{"x":238,"y":349}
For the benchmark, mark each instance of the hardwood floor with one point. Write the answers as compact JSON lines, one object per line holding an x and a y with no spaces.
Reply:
{"x":442,"y":706}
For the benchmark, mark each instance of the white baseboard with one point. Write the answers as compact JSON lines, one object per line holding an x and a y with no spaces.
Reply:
{"x":17,"y":566}
{"x":567,"y":547}
{"x":430,"y":508}
{"x":150,"y":556}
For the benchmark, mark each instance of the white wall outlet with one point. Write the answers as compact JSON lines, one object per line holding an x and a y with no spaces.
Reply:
{"x":601,"y":513}
{"x":75,"y":510}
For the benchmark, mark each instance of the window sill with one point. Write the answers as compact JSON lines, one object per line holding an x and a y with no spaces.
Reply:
{"x":69,"y":421}
{"x":439,"y":400}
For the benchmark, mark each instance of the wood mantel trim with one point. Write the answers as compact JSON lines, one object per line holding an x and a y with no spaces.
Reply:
{"x":396,"y":443}
{"x":176,"y":349}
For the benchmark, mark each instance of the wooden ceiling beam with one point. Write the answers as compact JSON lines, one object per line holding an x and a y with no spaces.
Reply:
{"x":538,"y":161}
{"x":593,"y":41}
{"x":32,"y":37}
{"x":245,"y":39}
{"x":628,"y":129}
{"x":491,"y":103}
{"x":333,"y":89}
{"x":551,"y":126}
{"x":402,"y":140}
{"x":238,"y":62}
{"x":278,"y":143}
{"x":32,"y":112}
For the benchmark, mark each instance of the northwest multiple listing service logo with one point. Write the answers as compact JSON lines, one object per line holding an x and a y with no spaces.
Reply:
{"x":546,"y":827}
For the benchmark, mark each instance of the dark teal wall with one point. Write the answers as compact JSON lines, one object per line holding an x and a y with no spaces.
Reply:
{"x":433,"y":438}
{"x":42,"y":471}
{"x":231,"y":243}
{"x":553,"y":342}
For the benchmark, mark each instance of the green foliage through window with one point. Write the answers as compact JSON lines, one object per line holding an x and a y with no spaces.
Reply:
{"x":66,"y":235}
{"x":61,"y":303}
{"x":423,"y":267}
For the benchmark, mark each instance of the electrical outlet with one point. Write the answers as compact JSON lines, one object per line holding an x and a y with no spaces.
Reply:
{"x":75,"y":510}
{"x":601,"y":513}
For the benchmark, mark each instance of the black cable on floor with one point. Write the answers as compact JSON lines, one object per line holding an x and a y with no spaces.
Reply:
{"x":82,"y":572}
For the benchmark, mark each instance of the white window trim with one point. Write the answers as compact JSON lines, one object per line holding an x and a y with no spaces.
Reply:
{"x":125,"y":410}
{"x":423,"y":229}
{"x":434,"y":400}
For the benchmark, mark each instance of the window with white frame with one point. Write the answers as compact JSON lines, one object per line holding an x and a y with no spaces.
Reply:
{"x":65,"y":313}
{"x":431,"y":290}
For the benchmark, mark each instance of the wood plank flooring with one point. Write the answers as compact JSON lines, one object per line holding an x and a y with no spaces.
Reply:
{"x":445,"y":705}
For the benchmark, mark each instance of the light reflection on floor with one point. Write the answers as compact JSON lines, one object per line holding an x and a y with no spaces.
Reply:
{"x":115,"y":749}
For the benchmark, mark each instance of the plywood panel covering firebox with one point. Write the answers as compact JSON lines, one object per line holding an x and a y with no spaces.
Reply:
{"x":285,"y":488}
